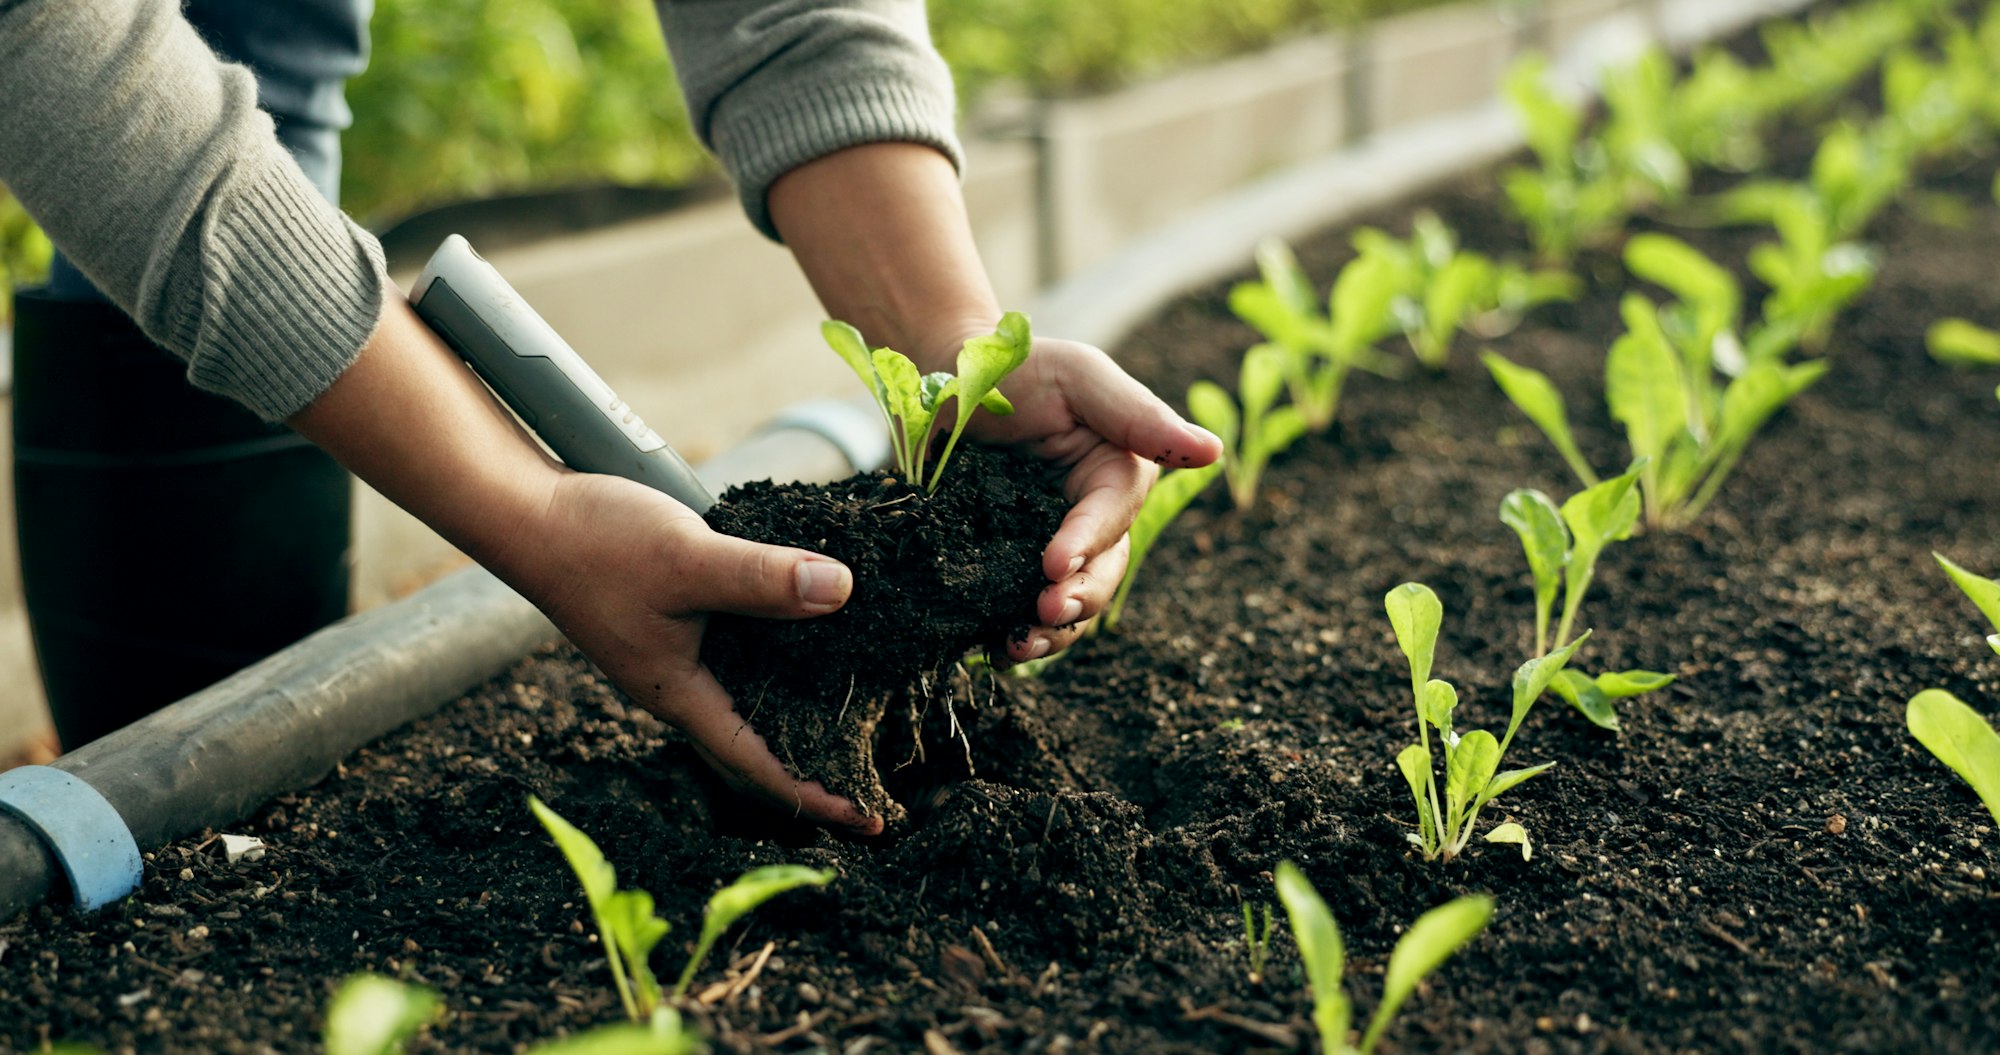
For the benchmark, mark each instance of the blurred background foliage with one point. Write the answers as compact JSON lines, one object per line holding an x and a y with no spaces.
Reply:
{"x":469,"y":98}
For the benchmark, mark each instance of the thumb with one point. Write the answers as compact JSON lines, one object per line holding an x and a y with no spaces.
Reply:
{"x":734,"y":575}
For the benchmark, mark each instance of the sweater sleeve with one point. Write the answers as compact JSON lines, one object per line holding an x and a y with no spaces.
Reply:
{"x":773,"y":84}
{"x":146,"y":159}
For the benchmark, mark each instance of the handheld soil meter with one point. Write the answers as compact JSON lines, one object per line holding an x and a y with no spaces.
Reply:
{"x":537,"y":374}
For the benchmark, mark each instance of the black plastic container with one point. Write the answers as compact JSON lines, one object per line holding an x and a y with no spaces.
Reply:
{"x":168,"y":536}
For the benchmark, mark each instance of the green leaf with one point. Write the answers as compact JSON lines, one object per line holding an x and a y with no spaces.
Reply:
{"x":628,"y":915}
{"x":846,"y":340}
{"x":1642,"y":387}
{"x":738,"y":899}
{"x":1583,"y":694}
{"x":982,"y":363}
{"x":1706,"y":287}
{"x":1359,"y":305}
{"x":1602,"y":514}
{"x":1468,"y":769}
{"x":1171,"y":495}
{"x":664,"y":1035}
{"x":600,"y":880}
{"x":1537,"y":397}
{"x":1429,"y":942}
{"x":903,"y":387}
{"x":1628,"y":683}
{"x":1532,"y":679}
{"x":1414,"y":762}
{"x":1318,"y":939}
{"x":1260,"y":383}
{"x":1546,"y":542}
{"x":1961,"y":739}
{"x":373,"y":1015}
{"x":1552,"y":125}
{"x":1457,"y":291}
{"x":1212,"y":407}
{"x":1416,"y":614}
{"x":1509,"y":780}
{"x":1440,"y":699}
{"x":1956,"y":342}
{"x":1285,"y":278}
{"x":1266,"y":311}
{"x":1764,"y":388}
{"x":1511,"y":832}
{"x":1985,"y":593}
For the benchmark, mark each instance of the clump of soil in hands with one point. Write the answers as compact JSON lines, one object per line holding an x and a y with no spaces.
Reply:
{"x":934,"y":577}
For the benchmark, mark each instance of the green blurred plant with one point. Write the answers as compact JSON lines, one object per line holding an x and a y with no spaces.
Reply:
{"x":464,"y":98}
{"x":24,"y":252}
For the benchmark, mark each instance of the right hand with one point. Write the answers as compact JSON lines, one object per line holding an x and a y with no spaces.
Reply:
{"x":629,"y":575}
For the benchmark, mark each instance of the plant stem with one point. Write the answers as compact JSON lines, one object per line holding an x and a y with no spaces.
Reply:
{"x":687,"y":973}
{"x":618,"y":973}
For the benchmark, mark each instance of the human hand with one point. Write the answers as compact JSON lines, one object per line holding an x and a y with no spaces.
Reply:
{"x":1079,"y":411}
{"x":629,"y":575}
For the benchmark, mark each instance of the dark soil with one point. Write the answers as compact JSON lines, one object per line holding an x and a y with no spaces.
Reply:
{"x":1764,"y":861}
{"x":934,"y":576}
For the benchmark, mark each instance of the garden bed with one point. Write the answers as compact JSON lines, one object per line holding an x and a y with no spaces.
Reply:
{"x":1763,"y":861}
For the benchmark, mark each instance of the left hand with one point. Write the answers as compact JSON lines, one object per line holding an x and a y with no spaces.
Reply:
{"x":1078,"y":410}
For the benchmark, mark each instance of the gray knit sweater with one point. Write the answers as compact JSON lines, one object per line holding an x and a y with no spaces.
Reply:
{"x":149,"y":163}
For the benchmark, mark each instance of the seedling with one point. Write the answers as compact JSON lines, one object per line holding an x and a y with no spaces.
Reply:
{"x":627,"y":926}
{"x":1573,"y":199}
{"x":1661,"y":382}
{"x":373,"y":1015}
{"x":1471,"y":762}
{"x":1961,"y":739}
{"x":1443,"y":289}
{"x":1985,"y":593}
{"x":1168,"y":498}
{"x":1562,"y":546}
{"x":1320,"y":350}
{"x":1257,"y":943}
{"x":1854,"y":175}
{"x":1252,"y":435}
{"x":1422,"y":949}
{"x":1641,"y":130}
{"x":911,"y":402}
{"x":739,"y":899}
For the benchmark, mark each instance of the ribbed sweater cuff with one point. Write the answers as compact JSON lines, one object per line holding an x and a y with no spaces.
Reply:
{"x":762,"y":138}
{"x":291,"y":291}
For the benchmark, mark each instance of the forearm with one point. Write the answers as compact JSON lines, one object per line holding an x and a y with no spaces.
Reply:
{"x":881,"y":232}
{"x":419,"y":427}
{"x":147,"y":161}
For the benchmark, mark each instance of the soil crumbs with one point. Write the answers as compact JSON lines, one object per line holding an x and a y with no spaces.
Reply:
{"x":1764,"y":861}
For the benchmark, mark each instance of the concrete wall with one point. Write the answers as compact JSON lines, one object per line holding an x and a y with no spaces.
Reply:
{"x":704,"y":327}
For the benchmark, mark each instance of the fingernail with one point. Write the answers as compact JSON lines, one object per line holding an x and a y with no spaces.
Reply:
{"x":1072,"y":610}
{"x":1205,"y":432}
{"x":1075,"y":565}
{"x":1039,"y":649}
{"x":823,"y":583}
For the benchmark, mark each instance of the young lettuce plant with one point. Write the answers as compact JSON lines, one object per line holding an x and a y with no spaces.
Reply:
{"x":1639,"y":130}
{"x":1854,"y":175}
{"x":628,"y":928}
{"x":1422,"y":949}
{"x":1562,"y":547}
{"x":1446,"y":822}
{"x":1257,"y":431}
{"x":1572,"y":199}
{"x":1660,"y":383}
{"x":911,"y":402}
{"x":1961,"y":739}
{"x":1444,"y":289}
{"x":1984,"y":592}
{"x":1320,"y":350}
{"x":373,"y":1015}
{"x":1176,"y":489}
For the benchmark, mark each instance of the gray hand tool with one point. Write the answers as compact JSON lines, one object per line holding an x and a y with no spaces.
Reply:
{"x":557,"y":395}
